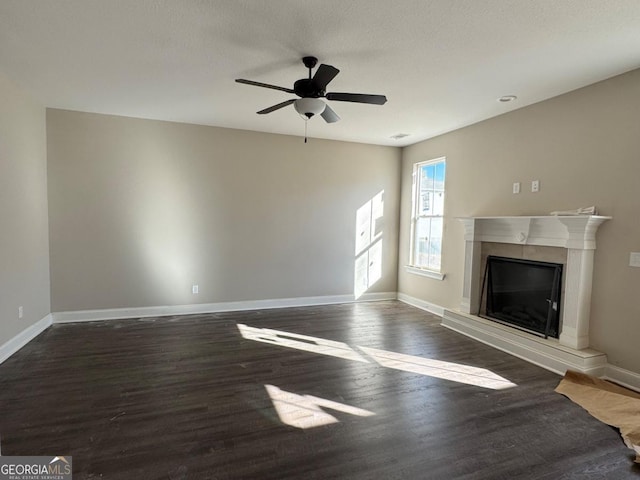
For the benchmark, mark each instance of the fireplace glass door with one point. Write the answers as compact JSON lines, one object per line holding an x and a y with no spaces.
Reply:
{"x":524,"y":294}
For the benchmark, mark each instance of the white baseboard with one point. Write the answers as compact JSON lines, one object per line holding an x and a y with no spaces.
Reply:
{"x":120,"y":313}
{"x":20,"y":340}
{"x":623,"y":377}
{"x":422,"y":304}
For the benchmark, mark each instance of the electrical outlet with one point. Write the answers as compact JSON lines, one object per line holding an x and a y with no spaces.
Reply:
{"x":195,"y":289}
{"x":634,"y":259}
{"x":20,"y":312}
{"x":535,"y":186}
{"x":516,"y":187}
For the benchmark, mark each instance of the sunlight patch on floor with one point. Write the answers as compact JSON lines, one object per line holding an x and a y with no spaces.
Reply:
{"x":300,"y":342}
{"x":306,"y":411}
{"x":455,"y":372}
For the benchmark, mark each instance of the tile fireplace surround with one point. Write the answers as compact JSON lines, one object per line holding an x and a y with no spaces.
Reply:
{"x":577,"y":235}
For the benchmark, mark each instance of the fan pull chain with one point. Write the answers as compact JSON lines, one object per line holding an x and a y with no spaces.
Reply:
{"x":306,"y":122}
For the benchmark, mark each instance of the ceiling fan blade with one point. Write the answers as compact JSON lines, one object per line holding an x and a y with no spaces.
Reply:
{"x":357,"y":98}
{"x":329,"y":115}
{"x":276,"y":107}
{"x":324,"y":75}
{"x":265,"y":85}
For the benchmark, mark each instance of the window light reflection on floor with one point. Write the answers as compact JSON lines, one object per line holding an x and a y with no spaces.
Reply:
{"x":451,"y":371}
{"x":306,"y":411}
{"x":480,"y":377}
{"x":300,"y":342}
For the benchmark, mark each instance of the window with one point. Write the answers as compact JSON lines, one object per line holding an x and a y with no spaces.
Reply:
{"x":427,"y":217}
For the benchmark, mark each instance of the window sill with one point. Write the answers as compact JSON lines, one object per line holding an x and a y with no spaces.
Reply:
{"x":425,"y":273}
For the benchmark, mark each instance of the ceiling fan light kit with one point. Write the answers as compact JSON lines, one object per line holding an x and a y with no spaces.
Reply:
{"x":308,"y":107}
{"x":311,"y":90}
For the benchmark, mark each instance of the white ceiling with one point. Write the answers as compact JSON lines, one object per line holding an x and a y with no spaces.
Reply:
{"x":441,"y":63}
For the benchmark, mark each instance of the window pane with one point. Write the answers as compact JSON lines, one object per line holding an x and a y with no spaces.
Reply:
{"x":421,"y":242}
{"x":428,"y":174}
{"x":439,"y":176}
{"x":438,"y":204}
{"x":435,"y":243}
{"x":426,"y":203}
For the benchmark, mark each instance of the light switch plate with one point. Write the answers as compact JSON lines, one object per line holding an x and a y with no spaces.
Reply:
{"x":535,"y":186}
{"x":634,"y":259}
{"x":516,"y":187}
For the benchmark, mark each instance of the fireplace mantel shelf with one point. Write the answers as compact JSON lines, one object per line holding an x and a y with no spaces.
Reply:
{"x":566,"y":231}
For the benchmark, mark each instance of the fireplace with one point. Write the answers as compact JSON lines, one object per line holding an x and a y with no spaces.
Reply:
{"x":523,"y":294}
{"x":567,"y":241}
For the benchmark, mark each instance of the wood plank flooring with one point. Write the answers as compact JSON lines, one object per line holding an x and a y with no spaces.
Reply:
{"x":186,"y":398}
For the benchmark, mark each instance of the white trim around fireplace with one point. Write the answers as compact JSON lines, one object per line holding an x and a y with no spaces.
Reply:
{"x":575,"y":233}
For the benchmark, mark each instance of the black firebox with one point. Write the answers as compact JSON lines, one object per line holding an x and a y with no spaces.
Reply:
{"x":524,"y":294}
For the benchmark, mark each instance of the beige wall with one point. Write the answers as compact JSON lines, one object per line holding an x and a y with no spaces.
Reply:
{"x":24,"y":249}
{"x":584,"y":147}
{"x":140,"y":210}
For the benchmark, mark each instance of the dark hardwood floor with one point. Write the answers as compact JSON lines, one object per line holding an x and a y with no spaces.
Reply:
{"x":191,"y":398}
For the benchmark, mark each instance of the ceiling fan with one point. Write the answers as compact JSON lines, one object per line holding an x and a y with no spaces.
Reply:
{"x":312,"y":89}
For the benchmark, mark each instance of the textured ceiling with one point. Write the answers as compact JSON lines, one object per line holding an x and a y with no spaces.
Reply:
{"x":441,"y":63}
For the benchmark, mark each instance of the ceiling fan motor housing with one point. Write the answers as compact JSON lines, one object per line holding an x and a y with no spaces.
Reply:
{"x":306,"y":88}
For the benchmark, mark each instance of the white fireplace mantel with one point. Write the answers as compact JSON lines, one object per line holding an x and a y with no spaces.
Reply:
{"x":572,"y":232}
{"x":575,"y":233}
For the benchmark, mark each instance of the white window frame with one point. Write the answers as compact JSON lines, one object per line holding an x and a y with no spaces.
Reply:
{"x":415,"y":199}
